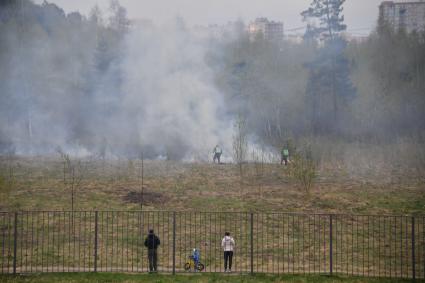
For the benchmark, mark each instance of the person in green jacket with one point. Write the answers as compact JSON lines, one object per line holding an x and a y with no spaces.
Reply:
{"x":217,"y":154}
{"x":284,"y":156}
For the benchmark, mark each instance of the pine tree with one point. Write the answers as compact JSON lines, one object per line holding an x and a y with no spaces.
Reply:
{"x":329,"y":83}
{"x":329,"y":14}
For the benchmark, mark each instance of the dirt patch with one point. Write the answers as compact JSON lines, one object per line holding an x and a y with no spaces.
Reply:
{"x":148,"y":197}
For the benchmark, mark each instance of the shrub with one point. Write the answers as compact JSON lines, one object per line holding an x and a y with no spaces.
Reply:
{"x":303,"y":169}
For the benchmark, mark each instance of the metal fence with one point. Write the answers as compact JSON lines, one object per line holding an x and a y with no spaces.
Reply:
{"x":105,"y":241}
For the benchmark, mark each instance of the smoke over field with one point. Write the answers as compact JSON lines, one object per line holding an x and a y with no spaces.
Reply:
{"x":92,"y":88}
{"x":174,"y":106}
{"x":103,"y":85}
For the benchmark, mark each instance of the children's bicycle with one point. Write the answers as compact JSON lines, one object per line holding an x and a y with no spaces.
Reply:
{"x":193,"y":262}
{"x":191,"y":265}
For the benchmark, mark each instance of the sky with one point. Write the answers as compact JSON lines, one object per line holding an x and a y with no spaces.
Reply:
{"x":360,"y":15}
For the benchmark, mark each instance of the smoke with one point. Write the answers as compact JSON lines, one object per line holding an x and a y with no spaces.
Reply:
{"x":89,"y":89}
{"x":169,"y":90}
{"x":98,"y":86}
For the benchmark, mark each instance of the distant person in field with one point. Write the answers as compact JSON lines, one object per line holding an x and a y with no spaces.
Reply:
{"x":228,"y":244}
{"x":217,"y":154}
{"x":284,"y":155}
{"x":152,"y":242}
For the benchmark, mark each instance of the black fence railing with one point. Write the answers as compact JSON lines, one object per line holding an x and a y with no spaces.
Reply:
{"x":106,"y":241}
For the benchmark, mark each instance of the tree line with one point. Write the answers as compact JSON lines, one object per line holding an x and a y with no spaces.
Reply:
{"x":65,"y":71}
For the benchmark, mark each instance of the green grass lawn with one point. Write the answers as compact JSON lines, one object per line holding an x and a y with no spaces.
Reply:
{"x":128,"y":278}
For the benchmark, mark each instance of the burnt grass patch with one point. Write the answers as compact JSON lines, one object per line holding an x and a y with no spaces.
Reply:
{"x":148,"y":197}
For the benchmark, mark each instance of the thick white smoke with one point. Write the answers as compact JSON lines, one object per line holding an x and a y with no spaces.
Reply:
{"x":94,"y":89}
{"x":169,"y":90}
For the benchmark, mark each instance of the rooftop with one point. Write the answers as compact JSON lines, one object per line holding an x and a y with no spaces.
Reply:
{"x":402,"y":2}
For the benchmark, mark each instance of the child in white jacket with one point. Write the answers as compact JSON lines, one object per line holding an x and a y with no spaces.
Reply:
{"x":228,"y":243}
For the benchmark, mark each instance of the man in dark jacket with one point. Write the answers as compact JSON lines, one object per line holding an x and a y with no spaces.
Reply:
{"x":152,"y":242}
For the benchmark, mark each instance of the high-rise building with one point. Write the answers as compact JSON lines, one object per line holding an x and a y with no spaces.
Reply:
{"x":407,"y":15}
{"x":269,"y":30}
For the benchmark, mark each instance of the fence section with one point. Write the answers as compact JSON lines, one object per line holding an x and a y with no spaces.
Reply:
{"x":378,"y":246}
{"x":113,"y":241}
{"x":291,"y":243}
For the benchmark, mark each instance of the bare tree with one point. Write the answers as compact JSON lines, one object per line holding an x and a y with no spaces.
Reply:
{"x":304,"y":169}
{"x":76,"y":177}
{"x":73,"y":174}
{"x":240,"y":145}
{"x":141,"y":179}
{"x":66,"y":163}
{"x":7,"y":178}
{"x":102,"y":153}
{"x":258,"y":158}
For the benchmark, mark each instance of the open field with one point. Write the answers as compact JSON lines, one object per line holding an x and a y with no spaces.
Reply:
{"x":129,"y":278}
{"x":42,"y":184}
{"x":283,"y":242}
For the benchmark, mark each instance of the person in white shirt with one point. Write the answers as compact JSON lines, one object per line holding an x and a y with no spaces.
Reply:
{"x":228,"y":244}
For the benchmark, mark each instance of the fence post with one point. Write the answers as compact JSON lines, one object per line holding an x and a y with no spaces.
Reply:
{"x":330,"y":245}
{"x":15,"y":241}
{"x":96,"y":229}
{"x":413,"y":249}
{"x":174,"y":242}
{"x":252,"y":242}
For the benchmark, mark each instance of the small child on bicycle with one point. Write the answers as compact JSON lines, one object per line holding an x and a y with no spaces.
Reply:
{"x":194,"y":262}
{"x":196,"y":256}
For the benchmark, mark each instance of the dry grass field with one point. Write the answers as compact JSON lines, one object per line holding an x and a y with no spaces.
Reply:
{"x":46,"y":184}
{"x":43,"y":184}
